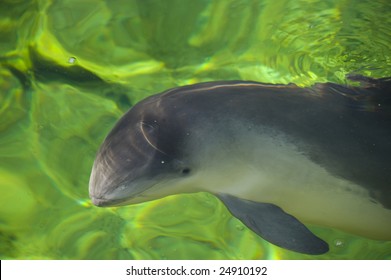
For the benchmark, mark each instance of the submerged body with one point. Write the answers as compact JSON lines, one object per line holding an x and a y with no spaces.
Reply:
{"x":321,"y":154}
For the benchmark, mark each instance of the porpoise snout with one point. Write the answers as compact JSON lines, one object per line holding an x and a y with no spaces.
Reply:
{"x":109,"y":188}
{"x":100,"y":186}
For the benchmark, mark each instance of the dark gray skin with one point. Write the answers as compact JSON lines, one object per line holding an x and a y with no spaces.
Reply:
{"x":344,"y":130}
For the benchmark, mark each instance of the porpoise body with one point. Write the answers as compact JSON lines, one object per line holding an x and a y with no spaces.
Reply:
{"x":277,"y":156}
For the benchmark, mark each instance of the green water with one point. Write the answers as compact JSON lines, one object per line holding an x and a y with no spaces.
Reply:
{"x":69,"y":69}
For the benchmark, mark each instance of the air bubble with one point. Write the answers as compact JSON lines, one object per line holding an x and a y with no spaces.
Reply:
{"x":240,"y":227}
{"x":72,"y":60}
{"x":339,"y":243}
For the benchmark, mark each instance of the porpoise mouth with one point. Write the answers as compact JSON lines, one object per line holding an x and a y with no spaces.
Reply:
{"x":103,"y":197}
{"x":102,"y":202}
{"x":121,"y":196}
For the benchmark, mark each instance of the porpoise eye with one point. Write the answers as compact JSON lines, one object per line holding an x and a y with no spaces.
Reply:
{"x":185,"y":170}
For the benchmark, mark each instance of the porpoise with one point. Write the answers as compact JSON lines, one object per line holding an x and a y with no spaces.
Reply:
{"x":278,"y":156}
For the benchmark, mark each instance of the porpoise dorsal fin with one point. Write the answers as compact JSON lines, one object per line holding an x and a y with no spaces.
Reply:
{"x":274,"y":225}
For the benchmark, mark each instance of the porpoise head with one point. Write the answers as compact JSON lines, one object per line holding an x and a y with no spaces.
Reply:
{"x":140,"y":160}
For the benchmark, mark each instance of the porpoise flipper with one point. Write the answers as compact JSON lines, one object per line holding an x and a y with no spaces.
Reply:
{"x":274,"y":225}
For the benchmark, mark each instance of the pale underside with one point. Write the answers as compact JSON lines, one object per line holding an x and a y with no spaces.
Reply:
{"x":267,"y":167}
